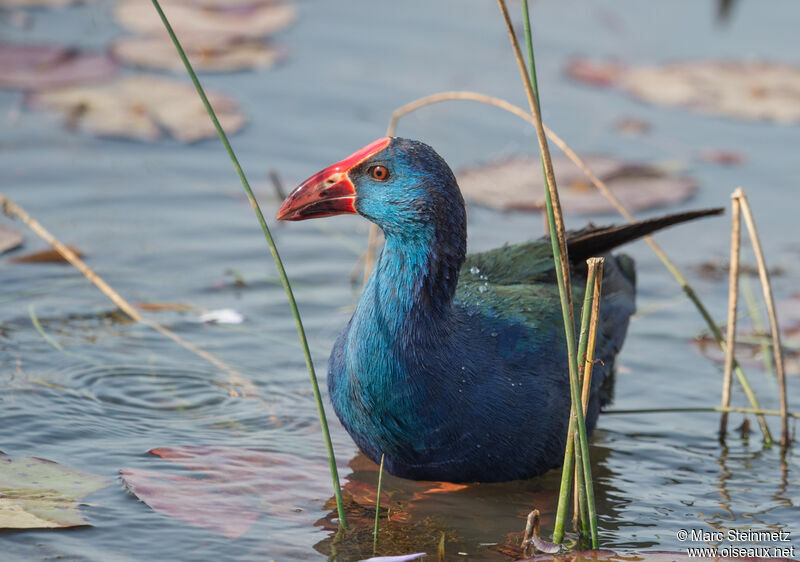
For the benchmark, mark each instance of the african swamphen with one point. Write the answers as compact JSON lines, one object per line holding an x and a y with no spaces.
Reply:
{"x":455,"y":366}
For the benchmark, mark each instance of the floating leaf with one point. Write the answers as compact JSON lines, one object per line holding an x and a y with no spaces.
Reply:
{"x":45,"y":256}
{"x":721,"y":157}
{"x":36,"y":3}
{"x":595,"y":73}
{"x":139,"y":107}
{"x":38,"y":493}
{"x":9,"y":239}
{"x":632,"y":126}
{"x":756,"y":90}
{"x":207,"y":53}
{"x":38,"y":67}
{"x":212,"y":18}
{"x":233,"y":488}
{"x":517,"y":183}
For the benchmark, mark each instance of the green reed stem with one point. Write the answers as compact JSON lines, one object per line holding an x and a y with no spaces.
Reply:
{"x":526,"y":20}
{"x":567,"y":471}
{"x":556,"y":227}
{"x":377,"y":508}
{"x":581,"y":514}
{"x":275,"y":256}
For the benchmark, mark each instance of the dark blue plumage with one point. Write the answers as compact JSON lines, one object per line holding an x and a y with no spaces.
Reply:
{"x":452,"y":366}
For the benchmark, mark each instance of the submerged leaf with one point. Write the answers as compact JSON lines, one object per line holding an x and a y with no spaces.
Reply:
{"x":206,"y":53}
{"x":9,"y":239}
{"x":222,"y":507}
{"x":517,"y":183}
{"x":38,"y":493}
{"x":758,"y":90}
{"x":233,"y":486}
{"x":251,"y":18}
{"x":139,"y":107}
{"x":39,"y":67}
{"x":750,"y":345}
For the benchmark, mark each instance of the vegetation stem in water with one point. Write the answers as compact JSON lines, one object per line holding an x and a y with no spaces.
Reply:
{"x":558,"y":241}
{"x":275,"y":256}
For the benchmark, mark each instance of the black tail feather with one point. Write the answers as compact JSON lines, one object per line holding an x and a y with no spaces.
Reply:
{"x":594,"y":241}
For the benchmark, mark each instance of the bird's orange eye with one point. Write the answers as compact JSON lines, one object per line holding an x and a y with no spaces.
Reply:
{"x":379,"y":173}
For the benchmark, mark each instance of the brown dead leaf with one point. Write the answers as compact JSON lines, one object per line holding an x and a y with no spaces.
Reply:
{"x":45,"y":256}
{"x":36,"y":3}
{"x":209,"y":17}
{"x":600,"y":74}
{"x":207,"y":54}
{"x":9,"y":239}
{"x":754,"y":90}
{"x":140,"y":107}
{"x":632,"y":126}
{"x":721,"y":157}
{"x":517,"y":183}
{"x":42,"y":66}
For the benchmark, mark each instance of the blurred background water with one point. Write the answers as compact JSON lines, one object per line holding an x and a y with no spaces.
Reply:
{"x":167,"y":222}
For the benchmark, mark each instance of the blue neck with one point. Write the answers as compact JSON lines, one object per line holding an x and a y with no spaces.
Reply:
{"x":409,"y":294}
{"x":405,"y":305}
{"x":403,"y":314}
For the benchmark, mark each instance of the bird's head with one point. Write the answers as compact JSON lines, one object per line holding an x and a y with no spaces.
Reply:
{"x":399,"y":184}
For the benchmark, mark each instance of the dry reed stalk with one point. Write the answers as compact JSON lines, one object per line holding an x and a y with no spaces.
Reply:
{"x":237,"y":381}
{"x":593,"y":320}
{"x":588,"y":360}
{"x":733,"y":303}
{"x":766,"y":287}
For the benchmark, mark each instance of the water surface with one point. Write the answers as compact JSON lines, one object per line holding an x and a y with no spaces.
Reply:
{"x":166,"y":222}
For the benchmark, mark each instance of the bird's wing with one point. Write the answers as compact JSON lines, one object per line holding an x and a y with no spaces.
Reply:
{"x":525,"y":263}
{"x":531,"y":262}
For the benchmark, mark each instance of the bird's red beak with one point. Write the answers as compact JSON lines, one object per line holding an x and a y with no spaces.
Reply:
{"x":329,"y":192}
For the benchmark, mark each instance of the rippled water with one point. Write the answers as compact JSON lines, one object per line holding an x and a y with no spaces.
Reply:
{"x":167,"y":223}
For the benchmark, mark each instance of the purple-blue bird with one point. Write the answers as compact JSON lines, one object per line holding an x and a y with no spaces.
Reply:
{"x":454,"y":367}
